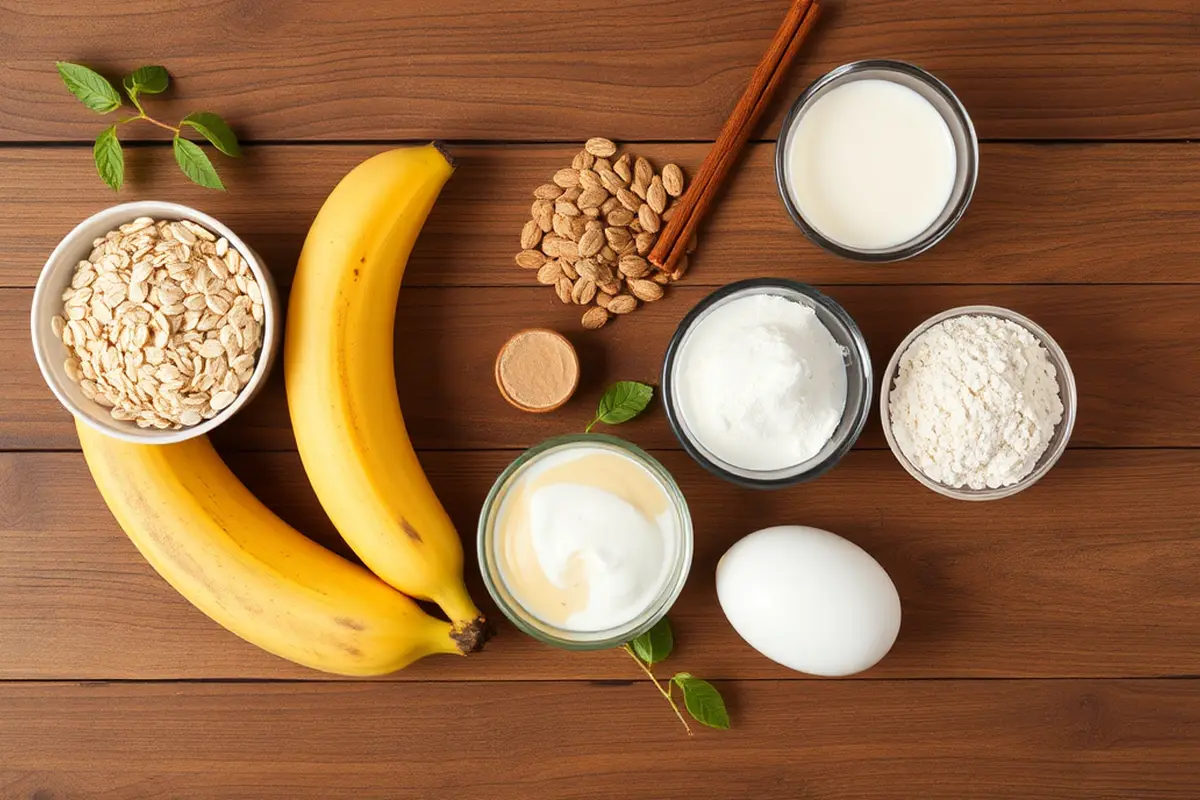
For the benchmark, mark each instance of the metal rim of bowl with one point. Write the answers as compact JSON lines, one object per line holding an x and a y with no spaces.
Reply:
{"x":698,"y":454}
{"x":1063,"y":431}
{"x":39,"y":326}
{"x":928,"y":238}
{"x":559,"y":637}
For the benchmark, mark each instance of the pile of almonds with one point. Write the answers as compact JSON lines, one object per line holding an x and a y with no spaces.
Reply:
{"x":162,"y":323}
{"x":593,"y":227}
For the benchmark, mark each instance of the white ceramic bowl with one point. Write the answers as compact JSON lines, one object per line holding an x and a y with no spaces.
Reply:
{"x":47,"y":302}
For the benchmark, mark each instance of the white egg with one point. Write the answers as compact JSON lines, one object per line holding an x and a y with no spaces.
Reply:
{"x":809,"y":599}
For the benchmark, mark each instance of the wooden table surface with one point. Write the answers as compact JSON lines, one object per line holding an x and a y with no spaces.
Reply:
{"x":1051,"y":641}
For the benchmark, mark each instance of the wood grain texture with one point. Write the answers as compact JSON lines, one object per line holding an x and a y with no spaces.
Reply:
{"x":878,"y":740}
{"x":1071,"y":213}
{"x":630,"y":69}
{"x":1048,"y":583}
{"x":1126,"y":345}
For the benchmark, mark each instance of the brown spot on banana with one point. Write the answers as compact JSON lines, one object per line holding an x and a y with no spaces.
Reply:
{"x":352,"y":624}
{"x":409,"y":530}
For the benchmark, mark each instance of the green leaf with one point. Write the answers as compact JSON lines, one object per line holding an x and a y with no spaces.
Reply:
{"x":92,"y":88}
{"x":146,"y":80}
{"x":195,"y":164}
{"x":216,"y":130}
{"x":110,"y":161}
{"x":703,"y":701}
{"x":655,"y":644}
{"x":622,"y":402}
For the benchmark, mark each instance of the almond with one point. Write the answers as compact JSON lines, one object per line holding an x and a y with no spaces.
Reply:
{"x":602,"y":163}
{"x":647,"y":291}
{"x":583,"y":160}
{"x":568,"y":249}
{"x":595,"y":318}
{"x":611,"y":181}
{"x":642,"y":171}
{"x":638,"y":188}
{"x":583,"y":292}
{"x":590,"y":179}
{"x":645,"y":242}
{"x":566,"y":208}
{"x":680,"y":268}
{"x":599,"y":146}
{"x":618,"y":237}
{"x":672,"y":179}
{"x":628,"y":199}
{"x":592,"y":198}
{"x":591,"y":213}
{"x":579,"y":227}
{"x":588,"y":269}
{"x":608,"y":255}
{"x":563,"y":288}
{"x":610,"y":205}
{"x":648,"y":218}
{"x":566,"y":178}
{"x":568,"y":269}
{"x":562,"y":225}
{"x":633,"y":266}
{"x":543,"y":215}
{"x":530,"y":259}
{"x":549,"y":273}
{"x":603,"y":299}
{"x":624,"y":168}
{"x":572,"y":194}
{"x":667,"y":213}
{"x":531,"y":234}
{"x":662,"y":278}
{"x":590,"y":243}
{"x":656,"y":195}
{"x":622,"y":304}
{"x":619,"y":217}
{"x":547,"y":191}
{"x":550,"y":244}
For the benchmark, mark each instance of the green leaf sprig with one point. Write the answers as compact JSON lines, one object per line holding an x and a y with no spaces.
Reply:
{"x":623,"y":401}
{"x":701,"y":699}
{"x":94,"y":91}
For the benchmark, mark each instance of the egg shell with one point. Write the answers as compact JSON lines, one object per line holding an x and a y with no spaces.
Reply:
{"x":809,"y":600}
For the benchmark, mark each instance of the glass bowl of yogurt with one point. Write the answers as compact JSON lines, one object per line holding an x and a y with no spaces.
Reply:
{"x":767,"y":383}
{"x":585,"y":542}
{"x":877,"y":161}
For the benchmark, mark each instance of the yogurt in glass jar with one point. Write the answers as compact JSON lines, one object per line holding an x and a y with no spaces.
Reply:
{"x":585,"y":541}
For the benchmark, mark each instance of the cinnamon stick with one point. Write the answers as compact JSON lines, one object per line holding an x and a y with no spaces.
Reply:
{"x":696,"y":201}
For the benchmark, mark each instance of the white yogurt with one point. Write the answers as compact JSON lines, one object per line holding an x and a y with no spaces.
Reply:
{"x":870,"y":164}
{"x":760,"y":382}
{"x":587,"y":538}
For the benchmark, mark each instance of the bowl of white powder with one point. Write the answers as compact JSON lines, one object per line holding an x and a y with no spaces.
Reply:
{"x":767,"y":383}
{"x":978,"y":403}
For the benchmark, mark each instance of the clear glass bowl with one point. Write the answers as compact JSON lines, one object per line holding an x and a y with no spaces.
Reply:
{"x":1066,"y":391}
{"x":966,"y":147}
{"x":859,"y":379}
{"x":554,"y":635}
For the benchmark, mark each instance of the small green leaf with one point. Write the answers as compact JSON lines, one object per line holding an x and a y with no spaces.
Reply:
{"x":655,"y":644}
{"x":702,"y":700}
{"x":146,"y":80}
{"x":622,"y":402}
{"x":92,"y":88}
{"x":110,"y":161}
{"x":195,"y":164}
{"x":215,"y":129}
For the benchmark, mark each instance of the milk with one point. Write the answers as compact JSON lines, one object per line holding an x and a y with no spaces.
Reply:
{"x":870,"y":164}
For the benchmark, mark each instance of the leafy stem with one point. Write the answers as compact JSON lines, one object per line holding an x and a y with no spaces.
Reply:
{"x":666,"y":693}
{"x":98,"y":94}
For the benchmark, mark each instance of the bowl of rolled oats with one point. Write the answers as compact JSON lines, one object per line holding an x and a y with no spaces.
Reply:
{"x":154,"y":323}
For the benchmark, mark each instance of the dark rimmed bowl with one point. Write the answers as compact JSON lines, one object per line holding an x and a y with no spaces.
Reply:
{"x":859,"y":378}
{"x":966,"y":148}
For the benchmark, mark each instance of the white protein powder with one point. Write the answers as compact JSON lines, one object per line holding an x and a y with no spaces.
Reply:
{"x":762,"y":383}
{"x":975,"y":402}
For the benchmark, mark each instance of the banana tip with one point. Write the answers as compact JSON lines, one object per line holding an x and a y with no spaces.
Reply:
{"x":470,"y":637}
{"x":440,"y":146}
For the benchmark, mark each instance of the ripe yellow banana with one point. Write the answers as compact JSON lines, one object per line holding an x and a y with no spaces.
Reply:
{"x":223,"y":550}
{"x":341,"y":381}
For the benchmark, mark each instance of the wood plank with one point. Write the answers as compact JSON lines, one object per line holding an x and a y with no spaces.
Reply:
{"x":643,"y":70}
{"x":939,"y":740}
{"x":1091,"y":573}
{"x":1118,"y":213}
{"x":1123,"y":343}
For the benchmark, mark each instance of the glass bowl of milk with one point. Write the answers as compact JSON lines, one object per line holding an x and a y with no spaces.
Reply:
{"x":767,"y":383}
{"x":585,"y":542}
{"x":877,"y":161}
